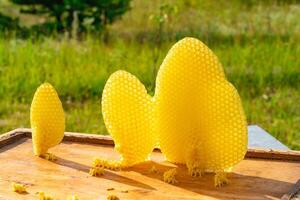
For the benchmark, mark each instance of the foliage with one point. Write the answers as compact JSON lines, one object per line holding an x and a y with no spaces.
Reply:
{"x":8,"y":23}
{"x":160,"y":19}
{"x":90,"y":14}
{"x":257,"y":43}
{"x":264,"y":72}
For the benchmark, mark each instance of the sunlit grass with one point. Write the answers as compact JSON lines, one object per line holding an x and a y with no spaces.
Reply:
{"x":258,"y":46}
{"x":265,"y":74}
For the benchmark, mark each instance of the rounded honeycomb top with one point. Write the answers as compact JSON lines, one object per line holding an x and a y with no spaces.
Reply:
{"x":128,"y":115}
{"x":47,"y":119}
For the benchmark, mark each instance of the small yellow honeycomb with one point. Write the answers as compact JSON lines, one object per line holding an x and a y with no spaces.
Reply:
{"x":170,"y":176}
{"x":200,"y":119}
{"x":128,"y":115}
{"x":19,"y":188}
{"x":47,"y":119}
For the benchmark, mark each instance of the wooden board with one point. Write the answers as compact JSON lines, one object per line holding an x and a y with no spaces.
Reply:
{"x":256,"y":177}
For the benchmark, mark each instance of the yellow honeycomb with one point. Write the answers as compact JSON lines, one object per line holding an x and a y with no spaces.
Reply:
{"x":200,"y":119}
{"x":47,"y":119}
{"x":128,"y":115}
{"x":195,"y":114}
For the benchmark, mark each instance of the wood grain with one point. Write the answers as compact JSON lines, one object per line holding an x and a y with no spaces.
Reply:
{"x":251,"y":179}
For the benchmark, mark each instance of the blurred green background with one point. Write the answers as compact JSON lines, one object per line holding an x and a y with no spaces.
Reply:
{"x":258,"y":43}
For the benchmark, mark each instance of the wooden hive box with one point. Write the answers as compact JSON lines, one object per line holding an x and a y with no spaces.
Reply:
{"x":263,"y":174}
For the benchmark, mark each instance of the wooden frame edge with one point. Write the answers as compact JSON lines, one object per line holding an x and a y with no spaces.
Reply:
{"x":17,"y":134}
{"x":13,"y":136}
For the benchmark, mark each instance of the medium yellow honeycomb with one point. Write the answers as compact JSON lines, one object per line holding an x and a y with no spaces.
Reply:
{"x":128,"y":115}
{"x":47,"y":119}
{"x":200,"y":119}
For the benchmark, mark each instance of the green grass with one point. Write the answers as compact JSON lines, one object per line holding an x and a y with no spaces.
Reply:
{"x":257,"y":44}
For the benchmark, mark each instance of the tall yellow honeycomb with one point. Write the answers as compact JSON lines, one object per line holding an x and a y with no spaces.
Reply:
{"x":128,"y":115}
{"x":47,"y":119}
{"x":200,"y":119}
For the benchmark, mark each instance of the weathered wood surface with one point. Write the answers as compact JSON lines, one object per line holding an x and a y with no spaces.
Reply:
{"x":251,"y":179}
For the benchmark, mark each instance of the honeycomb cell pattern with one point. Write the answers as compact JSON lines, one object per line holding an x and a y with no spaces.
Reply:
{"x":128,"y":115}
{"x":47,"y":119}
{"x":200,"y":119}
{"x":196,"y":114}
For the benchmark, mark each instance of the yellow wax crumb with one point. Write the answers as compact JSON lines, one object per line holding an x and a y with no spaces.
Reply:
{"x":19,"y":188}
{"x":43,"y":196}
{"x":153,"y":169}
{"x":96,"y":171}
{"x":112,"y":197}
{"x":170,"y":176}
{"x":124,"y":191}
{"x":73,"y":197}
{"x":107,"y":164}
{"x":195,"y":171}
{"x":221,"y":179}
{"x":49,"y":156}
